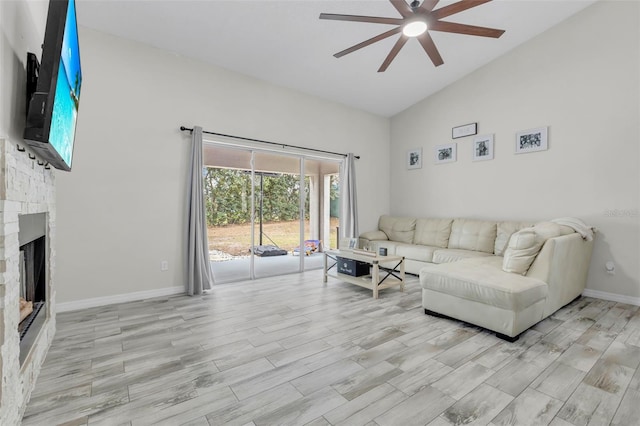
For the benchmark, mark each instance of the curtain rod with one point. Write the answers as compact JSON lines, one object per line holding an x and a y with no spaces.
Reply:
{"x":184,"y":129}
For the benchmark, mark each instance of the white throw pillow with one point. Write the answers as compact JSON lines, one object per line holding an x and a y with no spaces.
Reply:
{"x":522,"y":249}
{"x":504,"y":232}
{"x":525,"y":245}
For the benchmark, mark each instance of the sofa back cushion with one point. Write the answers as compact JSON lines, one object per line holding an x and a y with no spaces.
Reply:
{"x":398,"y":228}
{"x":433,"y":232}
{"x":504,"y":232}
{"x":469,"y":234}
{"x":525,"y":245}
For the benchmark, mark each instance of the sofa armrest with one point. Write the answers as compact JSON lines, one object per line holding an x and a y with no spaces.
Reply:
{"x":563,"y":263}
{"x":374,"y":236}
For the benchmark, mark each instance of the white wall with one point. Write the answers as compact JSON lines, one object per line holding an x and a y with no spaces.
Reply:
{"x":121,"y":209}
{"x":21,"y":30}
{"x":581,"y":79}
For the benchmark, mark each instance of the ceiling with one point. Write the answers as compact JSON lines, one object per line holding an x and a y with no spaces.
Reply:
{"x":283,"y":42}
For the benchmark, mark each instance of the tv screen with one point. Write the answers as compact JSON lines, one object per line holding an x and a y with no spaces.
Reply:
{"x":53,"y":109}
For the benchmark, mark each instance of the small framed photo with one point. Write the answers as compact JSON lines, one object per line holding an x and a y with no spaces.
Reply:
{"x":464,"y":130}
{"x":414,"y":158}
{"x":348,"y":244}
{"x":353,"y":243}
{"x":445,"y":153}
{"x":483,"y":148}
{"x":531,"y":140}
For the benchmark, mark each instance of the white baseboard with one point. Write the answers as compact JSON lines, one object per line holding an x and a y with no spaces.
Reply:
{"x":118,"y":298}
{"x":612,"y":297}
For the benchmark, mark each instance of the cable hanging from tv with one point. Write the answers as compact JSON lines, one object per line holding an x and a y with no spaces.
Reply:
{"x":283,"y":145}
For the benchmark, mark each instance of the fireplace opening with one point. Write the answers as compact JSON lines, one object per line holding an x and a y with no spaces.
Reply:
{"x":32,"y":283}
{"x":33,"y":279}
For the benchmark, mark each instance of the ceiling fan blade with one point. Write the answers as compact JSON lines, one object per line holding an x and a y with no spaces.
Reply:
{"x":394,"y":51}
{"x":456,"y":8}
{"x":430,"y":47}
{"x":452,"y":27}
{"x":368,"y":42}
{"x":357,"y":18}
{"x":402,"y":7}
{"x":428,"y":5}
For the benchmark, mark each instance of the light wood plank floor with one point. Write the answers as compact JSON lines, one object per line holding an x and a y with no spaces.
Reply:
{"x":287,"y":350}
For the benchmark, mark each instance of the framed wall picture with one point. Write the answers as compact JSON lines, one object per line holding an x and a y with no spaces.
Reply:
{"x":531,"y":140}
{"x":464,"y":130}
{"x":483,"y":148}
{"x":414,"y":158}
{"x":445,"y":153}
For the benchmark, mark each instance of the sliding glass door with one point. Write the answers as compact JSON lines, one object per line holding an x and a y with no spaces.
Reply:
{"x":278,"y":216}
{"x":268,"y":213}
{"x":228,"y":195}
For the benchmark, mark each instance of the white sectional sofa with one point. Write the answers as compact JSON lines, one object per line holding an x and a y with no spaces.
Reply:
{"x":504,"y":276}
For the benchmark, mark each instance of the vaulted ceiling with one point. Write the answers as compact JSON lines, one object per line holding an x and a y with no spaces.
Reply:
{"x":285,"y":43}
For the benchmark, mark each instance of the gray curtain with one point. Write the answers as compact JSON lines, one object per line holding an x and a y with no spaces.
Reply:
{"x":348,"y":199}
{"x":199,"y":275}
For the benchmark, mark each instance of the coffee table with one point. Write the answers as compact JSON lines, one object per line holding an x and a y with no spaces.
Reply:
{"x":372,"y":281}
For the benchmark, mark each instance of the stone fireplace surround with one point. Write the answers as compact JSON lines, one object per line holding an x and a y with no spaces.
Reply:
{"x":26,"y":187}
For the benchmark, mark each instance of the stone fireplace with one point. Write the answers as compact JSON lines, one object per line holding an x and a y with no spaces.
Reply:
{"x":27,"y":265}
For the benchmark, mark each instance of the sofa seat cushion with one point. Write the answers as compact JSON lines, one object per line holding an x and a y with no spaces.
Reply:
{"x":468,"y":234}
{"x":415,"y":252}
{"x":483,"y":280}
{"x":432,"y":232}
{"x":454,"y":255}
{"x":398,"y":228}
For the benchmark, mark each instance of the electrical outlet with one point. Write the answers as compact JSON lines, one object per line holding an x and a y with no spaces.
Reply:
{"x":610,"y":267}
{"x":164,"y":265}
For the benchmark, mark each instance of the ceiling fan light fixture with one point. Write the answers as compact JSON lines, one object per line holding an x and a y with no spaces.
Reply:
{"x":414,"y":28}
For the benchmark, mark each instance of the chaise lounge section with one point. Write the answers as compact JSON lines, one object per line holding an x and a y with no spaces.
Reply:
{"x":503,"y":276}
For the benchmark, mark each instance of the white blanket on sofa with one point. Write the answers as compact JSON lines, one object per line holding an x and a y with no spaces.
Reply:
{"x":579,"y":226}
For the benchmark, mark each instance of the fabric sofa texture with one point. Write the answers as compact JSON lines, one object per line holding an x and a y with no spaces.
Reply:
{"x":504,"y":276}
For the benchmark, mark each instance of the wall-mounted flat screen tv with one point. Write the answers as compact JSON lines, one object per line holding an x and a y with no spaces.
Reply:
{"x":53,"y":107}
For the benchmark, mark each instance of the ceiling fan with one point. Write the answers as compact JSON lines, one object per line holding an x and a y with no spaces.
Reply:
{"x":416,"y":22}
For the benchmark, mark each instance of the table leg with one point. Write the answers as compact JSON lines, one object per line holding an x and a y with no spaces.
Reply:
{"x":375,"y":277}
{"x":324,"y":276}
{"x":402,"y":275}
